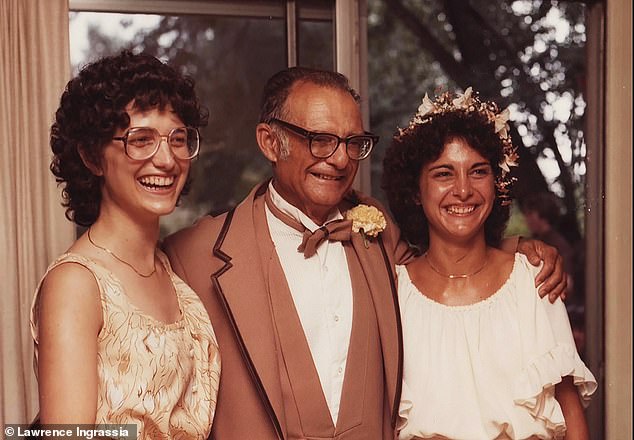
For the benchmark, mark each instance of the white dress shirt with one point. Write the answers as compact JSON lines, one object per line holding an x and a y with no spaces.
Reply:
{"x":322,"y":293}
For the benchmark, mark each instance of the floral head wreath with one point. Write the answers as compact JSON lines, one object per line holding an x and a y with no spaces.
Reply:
{"x":469,"y":102}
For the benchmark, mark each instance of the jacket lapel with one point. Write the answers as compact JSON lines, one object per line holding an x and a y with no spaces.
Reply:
{"x":304,"y":387}
{"x":241,"y":284}
{"x":378,"y":271}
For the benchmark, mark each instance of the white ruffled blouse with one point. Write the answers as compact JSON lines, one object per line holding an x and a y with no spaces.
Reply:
{"x":487,"y":370}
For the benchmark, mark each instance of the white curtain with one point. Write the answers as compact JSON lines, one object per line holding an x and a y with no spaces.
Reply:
{"x":34,"y":67}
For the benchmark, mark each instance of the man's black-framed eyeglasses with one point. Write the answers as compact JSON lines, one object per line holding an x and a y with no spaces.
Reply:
{"x":324,"y":145}
{"x":141,"y":143}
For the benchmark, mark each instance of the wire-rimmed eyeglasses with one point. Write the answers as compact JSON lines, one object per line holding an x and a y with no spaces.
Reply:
{"x":141,"y":143}
{"x":324,"y":145}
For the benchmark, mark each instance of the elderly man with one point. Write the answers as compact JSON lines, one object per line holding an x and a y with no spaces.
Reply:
{"x":304,"y":309}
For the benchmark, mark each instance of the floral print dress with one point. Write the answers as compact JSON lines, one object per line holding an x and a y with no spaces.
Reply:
{"x":162,"y":377}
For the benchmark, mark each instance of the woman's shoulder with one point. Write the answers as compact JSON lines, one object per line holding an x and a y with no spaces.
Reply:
{"x":512,"y":268}
{"x":524,"y":272}
{"x":68,"y":290}
{"x":526,"y":293}
{"x":74,"y":271}
{"x":408,"y":280}
{"x":71,"y":270}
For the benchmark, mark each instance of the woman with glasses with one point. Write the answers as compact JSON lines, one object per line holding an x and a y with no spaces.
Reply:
{"x":119,"y":338}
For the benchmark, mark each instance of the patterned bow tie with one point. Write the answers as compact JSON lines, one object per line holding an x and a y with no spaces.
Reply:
{"x":336,"y":230}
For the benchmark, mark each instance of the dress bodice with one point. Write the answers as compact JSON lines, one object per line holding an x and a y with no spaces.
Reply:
{"x":162,"y":377}
{"x":486,"y":370}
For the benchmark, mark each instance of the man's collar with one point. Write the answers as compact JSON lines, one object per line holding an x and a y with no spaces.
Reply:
{"x":296,"y":213}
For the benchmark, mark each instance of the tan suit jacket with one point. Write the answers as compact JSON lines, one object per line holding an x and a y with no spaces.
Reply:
{"x":218,"y":257}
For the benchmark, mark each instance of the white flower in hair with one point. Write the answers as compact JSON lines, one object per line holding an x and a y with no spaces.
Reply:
{"x":426,"y":107}
{"x":501,"y":126}
{"x":510,"y":160}
{"x":464,"y":100}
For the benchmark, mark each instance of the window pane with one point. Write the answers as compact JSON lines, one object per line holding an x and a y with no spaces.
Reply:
{"x":316,"y":44}
{"x":316,"y":34}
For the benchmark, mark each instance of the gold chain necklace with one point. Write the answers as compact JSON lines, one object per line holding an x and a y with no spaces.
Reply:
{"x":121,"y":259}
{"x":456,"y":276}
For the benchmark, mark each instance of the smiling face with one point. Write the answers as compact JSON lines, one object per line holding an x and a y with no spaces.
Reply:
{"x":146,"y":188}
{"x":317,"y":186}
{"x":457,"y":193}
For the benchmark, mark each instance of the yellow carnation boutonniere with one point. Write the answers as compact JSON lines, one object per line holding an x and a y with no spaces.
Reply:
{"x":369,"y":221}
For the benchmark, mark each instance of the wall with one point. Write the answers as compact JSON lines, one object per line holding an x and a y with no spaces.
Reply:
{"x":618,"y":220}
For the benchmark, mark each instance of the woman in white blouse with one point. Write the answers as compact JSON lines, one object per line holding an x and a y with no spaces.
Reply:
{"x":485,"y":357}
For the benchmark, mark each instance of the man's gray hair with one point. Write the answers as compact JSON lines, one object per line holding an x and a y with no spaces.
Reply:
{"x":278,"y":88}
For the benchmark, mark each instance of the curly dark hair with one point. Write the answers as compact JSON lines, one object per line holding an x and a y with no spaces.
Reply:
{"x":424,"y":143}
{"x":92,"y":109}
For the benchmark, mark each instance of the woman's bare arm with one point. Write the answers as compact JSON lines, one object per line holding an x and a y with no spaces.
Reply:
{"x":568,"y":397}
{"x":69,"y":320}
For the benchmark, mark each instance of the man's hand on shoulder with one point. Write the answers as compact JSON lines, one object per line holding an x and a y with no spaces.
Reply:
{"x":552,"y":276}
